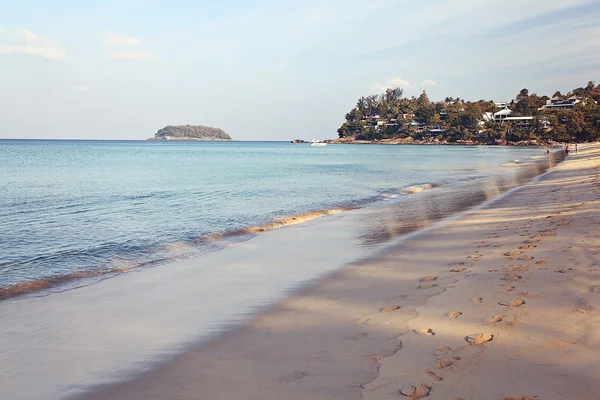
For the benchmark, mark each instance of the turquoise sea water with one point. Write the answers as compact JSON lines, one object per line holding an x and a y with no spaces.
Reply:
{"x":78,"y":208}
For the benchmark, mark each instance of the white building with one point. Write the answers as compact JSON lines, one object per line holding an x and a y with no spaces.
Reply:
{"x":503,"y":114}
{"x":560,"y":103}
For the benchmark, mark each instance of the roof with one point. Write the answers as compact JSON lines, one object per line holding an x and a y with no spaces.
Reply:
{"x":506,"y":111}
{"x":518,"y":118}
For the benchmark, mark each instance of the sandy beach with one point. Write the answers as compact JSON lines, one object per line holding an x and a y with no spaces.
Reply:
{"x":498,"y":303}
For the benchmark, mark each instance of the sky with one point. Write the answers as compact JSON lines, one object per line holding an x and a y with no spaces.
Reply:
{"x":273,"y":70}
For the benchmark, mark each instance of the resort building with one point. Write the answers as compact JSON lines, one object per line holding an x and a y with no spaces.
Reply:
{"x":502,"y":115}
{"x":562,"y":104}
{"x":419,"y":125}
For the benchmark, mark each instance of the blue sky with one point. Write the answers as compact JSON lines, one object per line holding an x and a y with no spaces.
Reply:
{"x":273,"y":70}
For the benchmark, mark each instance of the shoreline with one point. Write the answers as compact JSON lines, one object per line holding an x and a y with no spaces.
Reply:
{"x":524,"y":269}
{"x":41,"y":285}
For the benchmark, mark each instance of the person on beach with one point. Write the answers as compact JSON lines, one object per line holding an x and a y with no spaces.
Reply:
{"x":547,"y":149}
{"x":575,"y":148}
{"x":567,"y":145}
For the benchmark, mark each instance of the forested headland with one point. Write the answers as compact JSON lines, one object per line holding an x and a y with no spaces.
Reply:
{"x":528,"y":119}
{"x":190,"y":132}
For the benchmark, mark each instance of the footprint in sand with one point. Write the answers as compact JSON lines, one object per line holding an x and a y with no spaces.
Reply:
{"x":541,"y":262}
{"x":454,"y":314}
{"x":525,"y":258}
{"x":426,"y":331}
{"x":427,"y":286}
{"x":433,"y":375}
{"x":518,"y":302}
{"x":512,"y":278}
{"x":532,"y":240}
{"x":496,"y":318}
{"x":442,"y":351}
{"x":529,"y":294}
{"x":458,"y":269}
{"x":428,"y":278}
{"x":508,"y":289}
{"x":528,"y":247}
{"x":479,"y":338}
{"x":477,"y":300}
{"x":389,"y":308}
{"x":418,"y":392}
{"x":564,"y":270}
{"x":513,"y":253}
{"x":447,"y":362}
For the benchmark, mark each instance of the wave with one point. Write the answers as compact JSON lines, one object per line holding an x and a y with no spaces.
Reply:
{"x":32,"y":286}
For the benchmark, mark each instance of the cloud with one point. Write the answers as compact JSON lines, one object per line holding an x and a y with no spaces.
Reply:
{"x":24,"y":41}
{"x":429,"y":82}
{"x":113,"y":42}
{"x":81,"y":88}
{"x":380,"y":87}
{"x":408,"y":87}
{"x":116,"y":40}
{"x":25,"y":35}
{"x":130,"y":55}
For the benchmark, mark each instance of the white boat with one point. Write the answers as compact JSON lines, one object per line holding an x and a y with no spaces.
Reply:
{"x":315,"y":142}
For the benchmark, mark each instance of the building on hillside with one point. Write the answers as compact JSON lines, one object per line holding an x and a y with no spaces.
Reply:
{"x":419,"y":126}
{"x":562,"y":104}
{"x":501,"y":104}
{"x":506,"y":115}
{"x":523,"y":122}
{"x":435,"y":132}
{"x":503,"y":114}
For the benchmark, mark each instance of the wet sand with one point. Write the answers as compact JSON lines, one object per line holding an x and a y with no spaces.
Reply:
{"x":500,"y":303}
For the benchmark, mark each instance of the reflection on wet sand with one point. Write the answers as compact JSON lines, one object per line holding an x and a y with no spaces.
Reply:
{"x":382,"y":224}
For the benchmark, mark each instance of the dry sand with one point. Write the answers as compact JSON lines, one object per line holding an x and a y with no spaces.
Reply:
{"x":500,"y":303}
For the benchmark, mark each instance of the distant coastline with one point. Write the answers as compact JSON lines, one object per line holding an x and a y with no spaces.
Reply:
{"x":191,"y":133}
{"x":438,"y":142}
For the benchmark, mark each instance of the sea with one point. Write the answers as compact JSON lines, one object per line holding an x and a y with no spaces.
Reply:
{"x":118,"y":254}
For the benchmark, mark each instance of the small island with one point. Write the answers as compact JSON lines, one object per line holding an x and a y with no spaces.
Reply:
{"x":191,"y":132}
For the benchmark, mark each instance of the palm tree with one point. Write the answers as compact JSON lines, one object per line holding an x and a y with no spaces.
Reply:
{"x":361,"y":105}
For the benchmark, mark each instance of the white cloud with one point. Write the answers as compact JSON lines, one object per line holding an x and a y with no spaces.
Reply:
{"x":113,"y":42}
{"x":26,"y":42}
{"x":25,"y":35}
{"x":116,"y":40}
{"x":81,"y":88}
{"x":429,"y":82}
{"x":130,"y":55}
{"x":381,"y":87}
{"x":408,"y":87}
